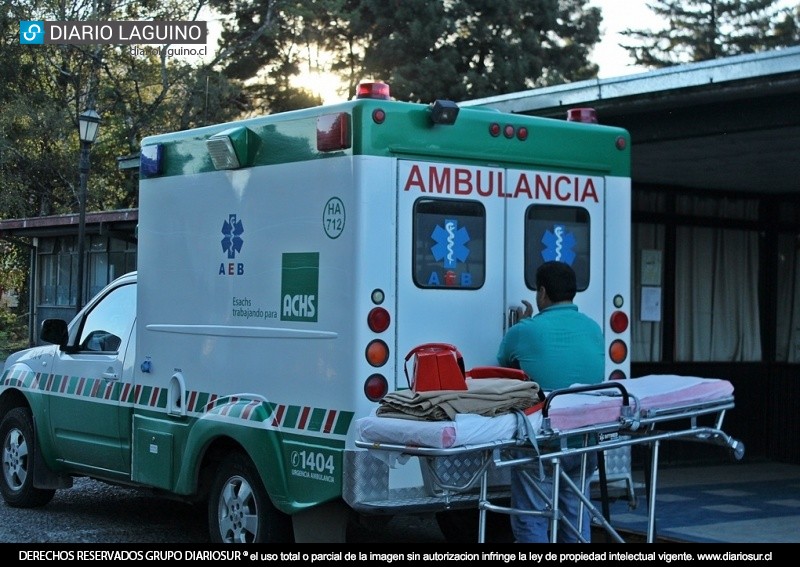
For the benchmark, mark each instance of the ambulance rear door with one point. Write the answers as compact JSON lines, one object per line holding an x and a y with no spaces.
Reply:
{"x":554,"y":216}
{"x":450,"y":260}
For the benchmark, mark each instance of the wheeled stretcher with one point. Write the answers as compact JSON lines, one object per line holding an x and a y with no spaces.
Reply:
{"x":469,"y":454}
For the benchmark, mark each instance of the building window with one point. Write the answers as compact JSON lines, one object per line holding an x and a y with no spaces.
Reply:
{"x":707,"y":251}
{"x":108,"y":258}
{"x":717,"y":316}
{"x":58,"y":263}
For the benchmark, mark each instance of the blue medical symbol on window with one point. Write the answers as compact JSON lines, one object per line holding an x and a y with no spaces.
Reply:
{"x":232,"y":242}
{"x":450,"y":243}
{"x":558,"y":245}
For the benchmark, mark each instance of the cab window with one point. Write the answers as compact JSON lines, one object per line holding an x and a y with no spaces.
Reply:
{"x":557,"y":233}
{"x":449,"y":244}
{"x":110,"y":321}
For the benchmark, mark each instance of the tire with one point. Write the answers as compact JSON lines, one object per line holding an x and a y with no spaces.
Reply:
{"x":461,"y":526}
{"x":239,"y":508}
{"x":19,"y":446}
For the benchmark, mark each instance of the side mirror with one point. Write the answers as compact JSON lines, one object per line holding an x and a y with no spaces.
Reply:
{"x":54,"y":331}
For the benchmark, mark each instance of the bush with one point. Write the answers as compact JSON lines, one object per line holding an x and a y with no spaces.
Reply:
{"x":13,"y":332}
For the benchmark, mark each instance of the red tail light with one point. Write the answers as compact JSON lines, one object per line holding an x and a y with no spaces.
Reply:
{"x":378,"y":319}
{"x":619,"y":321}
{"x":333,"y":132}
{"x":375,"y":387}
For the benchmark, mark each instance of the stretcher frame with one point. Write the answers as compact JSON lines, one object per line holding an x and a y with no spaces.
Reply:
{"x":634,"y":427}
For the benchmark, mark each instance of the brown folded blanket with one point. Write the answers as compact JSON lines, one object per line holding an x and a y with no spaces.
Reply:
{"x":485,"y":396}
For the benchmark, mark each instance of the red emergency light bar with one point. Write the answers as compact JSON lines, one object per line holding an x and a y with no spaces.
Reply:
{"x":378,"y":91}
{"x":588,"y":115}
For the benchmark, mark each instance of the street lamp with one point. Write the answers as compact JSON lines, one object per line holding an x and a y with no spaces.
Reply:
{"x":88,"y":125}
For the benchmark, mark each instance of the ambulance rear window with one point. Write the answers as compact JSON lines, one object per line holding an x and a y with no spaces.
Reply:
{"x":449,"y":244}
{"x":557,"y":233}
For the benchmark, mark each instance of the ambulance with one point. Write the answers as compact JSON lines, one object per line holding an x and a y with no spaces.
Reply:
{"x":288,"y":265}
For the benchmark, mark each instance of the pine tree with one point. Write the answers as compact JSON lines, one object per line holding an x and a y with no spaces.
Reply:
{"x":699,"y":30}
{"x":462,"y":49}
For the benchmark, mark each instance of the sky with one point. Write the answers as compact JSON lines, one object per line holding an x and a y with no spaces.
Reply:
{"x":618,"y":15}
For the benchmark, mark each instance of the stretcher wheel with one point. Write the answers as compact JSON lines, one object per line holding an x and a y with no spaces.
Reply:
{"x":737,"y":450}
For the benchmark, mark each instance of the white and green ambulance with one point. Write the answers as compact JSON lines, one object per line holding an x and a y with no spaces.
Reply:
{"x":286,"y":266}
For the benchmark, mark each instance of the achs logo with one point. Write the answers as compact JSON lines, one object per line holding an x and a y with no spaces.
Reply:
{"x":299,"y":286}
{"x":558,"y":245}
{"x":450,"y":245}
{"x":31,"y":32}
{"x":232,"y":241}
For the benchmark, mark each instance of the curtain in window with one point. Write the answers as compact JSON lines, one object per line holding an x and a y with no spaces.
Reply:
{"x":716,"y":295}
{"x":787,"y":345}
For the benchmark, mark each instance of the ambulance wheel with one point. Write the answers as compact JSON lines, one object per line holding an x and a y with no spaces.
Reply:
{"x":19,"y":445}
{"x":239,"y":508}
{"x":461,"y":526}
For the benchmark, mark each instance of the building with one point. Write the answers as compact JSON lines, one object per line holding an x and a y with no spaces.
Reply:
{"x":53,"y":244}
{"x":716,"y":238}
{"x":716,"y":189}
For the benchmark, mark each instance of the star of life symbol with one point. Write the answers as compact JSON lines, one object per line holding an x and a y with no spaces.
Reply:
{"x":232,"y":241}
{"x":558,"y":245}
{"x":450,"y":243}
{"x":31,"y":32}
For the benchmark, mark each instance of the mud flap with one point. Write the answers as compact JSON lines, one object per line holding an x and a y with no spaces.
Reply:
{"x":326,"y":523}
{"x":45,"y":478}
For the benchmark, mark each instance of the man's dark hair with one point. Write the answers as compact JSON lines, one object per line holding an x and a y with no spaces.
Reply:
{"x":558,"y":280}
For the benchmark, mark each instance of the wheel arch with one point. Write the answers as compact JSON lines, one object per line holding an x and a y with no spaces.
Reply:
{"x":212,"y":440}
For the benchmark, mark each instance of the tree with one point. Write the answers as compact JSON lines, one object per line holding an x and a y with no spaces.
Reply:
{"x":699,"y":30}
{"x":425,"y":49}
{"x":787,"y":28}
{"x":268,"y":38}
{"x":464,"y":49}
{"x":136,"y":92}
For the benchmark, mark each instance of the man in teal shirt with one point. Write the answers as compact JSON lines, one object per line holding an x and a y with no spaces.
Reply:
{"x":557,"y":348}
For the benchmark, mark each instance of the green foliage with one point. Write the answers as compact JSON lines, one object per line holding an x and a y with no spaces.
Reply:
{"x":13,"y":278}
{"x":699,"y":30}
{"x":13,"y":266}
{"x":787,"y":27}
{"x":425,"y":49}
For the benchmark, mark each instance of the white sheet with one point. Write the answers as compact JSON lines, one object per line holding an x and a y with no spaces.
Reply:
{"x":568,"y":411}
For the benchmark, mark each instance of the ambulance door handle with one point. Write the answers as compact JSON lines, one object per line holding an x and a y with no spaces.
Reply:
{"x":513,"y":316}
{"x":110,"y":374}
